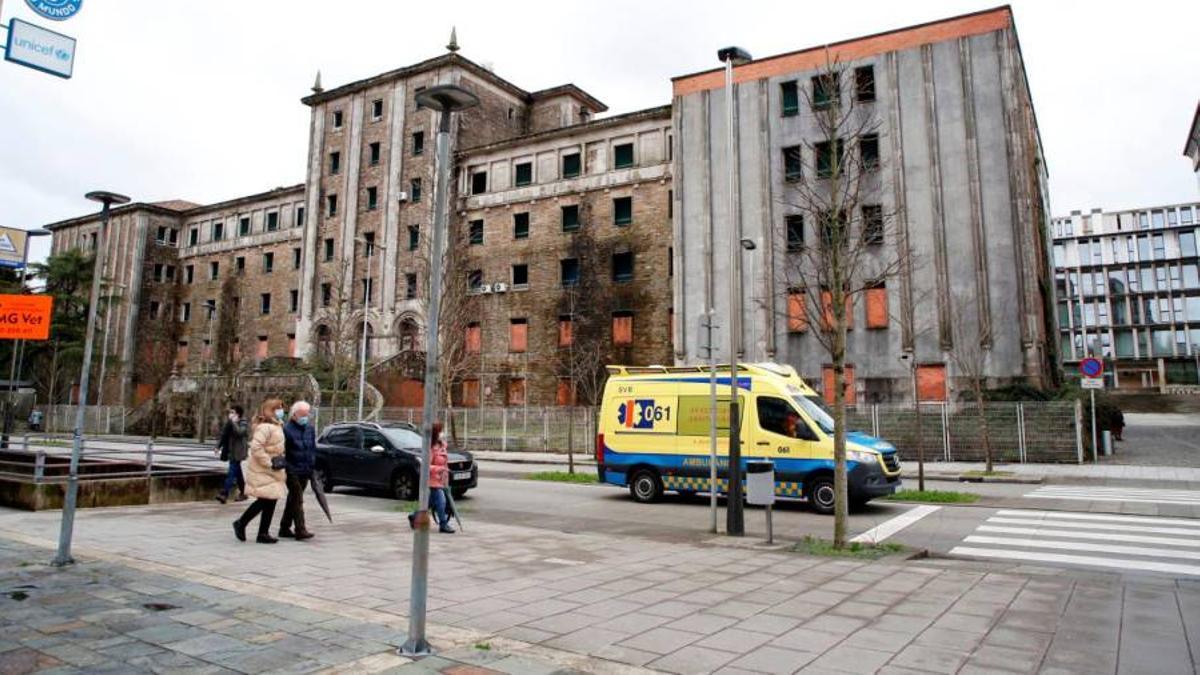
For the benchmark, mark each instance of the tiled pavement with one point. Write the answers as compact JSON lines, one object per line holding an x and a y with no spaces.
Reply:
{"x":545,"y":600}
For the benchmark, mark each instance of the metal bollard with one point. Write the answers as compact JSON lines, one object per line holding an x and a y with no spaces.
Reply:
{"x":149,"y":457}
{"x":39,"y":466}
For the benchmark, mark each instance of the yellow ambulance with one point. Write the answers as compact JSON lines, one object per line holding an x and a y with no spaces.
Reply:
{"x":654,"y":434}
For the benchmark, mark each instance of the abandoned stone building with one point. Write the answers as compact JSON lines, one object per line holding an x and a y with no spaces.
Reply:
{"x":577,"y":239}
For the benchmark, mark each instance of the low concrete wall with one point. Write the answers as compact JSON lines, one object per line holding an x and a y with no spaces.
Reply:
{"x":31,"y":496}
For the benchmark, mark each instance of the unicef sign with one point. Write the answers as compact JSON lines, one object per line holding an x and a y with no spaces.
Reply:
{"x":56,"y":10}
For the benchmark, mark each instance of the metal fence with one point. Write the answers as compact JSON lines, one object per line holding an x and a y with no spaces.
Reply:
{"x":43,"y":459}
{"x":1042,"y":431}
{"x":97,"y":419}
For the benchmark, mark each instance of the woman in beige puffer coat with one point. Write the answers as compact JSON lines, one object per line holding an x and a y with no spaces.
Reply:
{"x":264,"y":482}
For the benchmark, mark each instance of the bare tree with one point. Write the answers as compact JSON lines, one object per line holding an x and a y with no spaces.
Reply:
{"x":338,"y":326}
{"x":849,"y":255}
{"x":228,"y":355}
{"x":969,"y":353}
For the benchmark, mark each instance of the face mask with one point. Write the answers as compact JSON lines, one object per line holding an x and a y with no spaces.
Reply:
{"x":279,"y":414}
{"x":233,"y":417}
{"x":302,"y":421}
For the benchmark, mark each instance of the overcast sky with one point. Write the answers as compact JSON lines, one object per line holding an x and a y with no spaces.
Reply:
{"x":200,"y":100}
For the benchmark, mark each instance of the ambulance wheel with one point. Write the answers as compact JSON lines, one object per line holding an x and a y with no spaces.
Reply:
{"x":646,"y":487}
{"x":820,"y":495}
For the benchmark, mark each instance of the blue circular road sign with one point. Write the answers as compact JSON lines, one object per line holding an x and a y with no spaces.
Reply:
{"x":55,"y":10}
{"x":1091,"y":367}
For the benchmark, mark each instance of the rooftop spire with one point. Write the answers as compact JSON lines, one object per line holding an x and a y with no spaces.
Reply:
{"x":317,"y":88}
{"x":453,"y":46}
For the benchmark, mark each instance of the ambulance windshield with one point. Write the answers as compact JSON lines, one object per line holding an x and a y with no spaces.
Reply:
{"x":815,"y":407}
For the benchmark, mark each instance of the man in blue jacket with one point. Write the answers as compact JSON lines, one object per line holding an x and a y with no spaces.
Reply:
{"x":300,"y":451}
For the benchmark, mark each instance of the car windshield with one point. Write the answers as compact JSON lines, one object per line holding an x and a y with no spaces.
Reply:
{"x":816,"y":409}
{"x":403,"y":438}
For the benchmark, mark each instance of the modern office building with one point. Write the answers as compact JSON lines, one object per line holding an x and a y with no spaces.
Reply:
{"x":1128,"y":290}
{"x":954,"y":156}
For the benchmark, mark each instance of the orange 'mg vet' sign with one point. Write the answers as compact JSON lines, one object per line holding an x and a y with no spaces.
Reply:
{"x":25,"y":317}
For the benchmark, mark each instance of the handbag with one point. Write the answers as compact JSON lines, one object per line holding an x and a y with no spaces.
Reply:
{"x":278,"y":463}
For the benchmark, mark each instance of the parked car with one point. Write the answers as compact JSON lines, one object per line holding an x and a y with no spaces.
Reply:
{"x":385,"y":457}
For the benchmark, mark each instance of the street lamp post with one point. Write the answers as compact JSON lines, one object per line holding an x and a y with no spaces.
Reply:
{"x":63,"y":557}
{"x":15,"y":367}
{"x":749,"y":246}
{"x":446,"y":99}
{"x":734,"y":521}
{"x":368,"y":289}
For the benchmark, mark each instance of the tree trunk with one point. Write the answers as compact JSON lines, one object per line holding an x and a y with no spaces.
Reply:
{"x":983,"y":426}
{"x":571,"y":441}
{"x":920,"y":442}
{"x":840,"y":502}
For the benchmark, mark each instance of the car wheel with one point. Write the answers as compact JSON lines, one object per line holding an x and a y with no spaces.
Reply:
{"x":321,"y":474}
{"x":820,"y":495}
{"x":458,"y":493}
{"x":646,"y":486}
{"x":404,"y":486}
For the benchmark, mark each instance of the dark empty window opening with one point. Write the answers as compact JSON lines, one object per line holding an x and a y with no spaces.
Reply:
{"x":272,"y":221}
{"x":827,"y":163}
{"x":520,"y":226}
{"x":826,"y":90}
{"x":622,"y":211}
{"x":193,"y":237}
{"x":415,"y":190}
{"x":790,"y":95}
{"x":524,"y":174}
{"x":478,"y":182}
{"x":368,"y":244}
{"x":376,"y":153}
{"x":476,"y":232}
{"x":410,"y":286}
{"x":868,"y":150}
{"x":326,"y":294}
{"x":623,"y":156}
{"x":872,"y":217}
{"x":296,"y":258}
{"x":268,"y":262}
{"x":377,"y":108}
{"x":474,"y":279}
{"x":795,"y":232}
{"x":372,"y":198}
{"x":414,"y":237}
{"x":569,"y":271}
{"x":239,"y":264}
{"x":243,"y":226}
{"x":335,"y":163}
{"x":571,"y":166}
{"x":792,"y":168}
{"x":520,"y":275}
{"x":864,"y":84}
{"x":331,"y":205}
{"x":337,"y":119}
{"x":218,"y":231}
{"x":328,"y":250}
{"x":570,"y":218}
{"x":622,"y":266}
{"x":418,"y":143}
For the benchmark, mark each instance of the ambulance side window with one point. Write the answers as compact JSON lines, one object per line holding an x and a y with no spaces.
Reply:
{"x":777,"y":416}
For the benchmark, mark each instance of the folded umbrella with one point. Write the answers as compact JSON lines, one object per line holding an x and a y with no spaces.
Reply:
{"x":453,"y":509}
{"x":319,"y":490}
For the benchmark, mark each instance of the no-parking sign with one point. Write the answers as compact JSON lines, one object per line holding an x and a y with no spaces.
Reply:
{"x":1091,"y":367}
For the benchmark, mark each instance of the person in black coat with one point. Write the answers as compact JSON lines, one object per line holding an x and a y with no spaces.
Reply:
{"x":232,"y":449}
{"x":300,"y":442}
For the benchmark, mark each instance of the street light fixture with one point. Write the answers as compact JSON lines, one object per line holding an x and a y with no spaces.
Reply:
{"x":19,"y":347}
{"x":734,"y":521}
{"x":750,"y":245}
{"x":447,"y":99}
{"x":368,"y":290}
{"x":63,"y":557}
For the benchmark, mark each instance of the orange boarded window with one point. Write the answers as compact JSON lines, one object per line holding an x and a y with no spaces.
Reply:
{"x":566,"y":392}
{"x":516,"y":392}
{"x":622,"y":328}
{"x":261,"y":353}
{"x":931,"y":382}
{"x":291,"y":352}
{"x":237,"y":350}
{"x":181,"y":353}
{"x":566,"y":331}
{"x":877,"y":307}
{"x":518,"y":335}
{"x":797,"y":317}
{"x":474,"y":338}
{"x":827,"y":310}
{"x":470,"y":393}
{"x":827,"y":378}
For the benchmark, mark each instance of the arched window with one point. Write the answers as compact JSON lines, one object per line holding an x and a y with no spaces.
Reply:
{"x":409,"y":335}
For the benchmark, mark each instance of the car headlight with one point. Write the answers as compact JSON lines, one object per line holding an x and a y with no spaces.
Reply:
{"x":864,"y":456}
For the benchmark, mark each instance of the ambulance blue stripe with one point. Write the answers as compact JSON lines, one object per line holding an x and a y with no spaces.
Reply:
{"x":743,"y":382}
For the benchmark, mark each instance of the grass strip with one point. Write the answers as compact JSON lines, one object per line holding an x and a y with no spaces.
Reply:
{"x":854,"y":549}
{"x":563,"y":477}
{"x":933,"y":497}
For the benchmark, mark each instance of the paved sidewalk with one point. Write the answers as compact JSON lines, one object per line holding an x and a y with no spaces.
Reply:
{"x":610,"y":603}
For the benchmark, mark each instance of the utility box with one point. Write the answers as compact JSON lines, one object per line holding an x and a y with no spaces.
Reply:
{"x":760,"y":482}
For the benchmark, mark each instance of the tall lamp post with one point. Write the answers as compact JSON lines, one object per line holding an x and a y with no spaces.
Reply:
{"x":63,"y":557}
{"x":749,"y":246}
{"x":734,"y":522}
{"x":14,"y":368}
{"x":447,"y":99}
{"x":368,"y":290}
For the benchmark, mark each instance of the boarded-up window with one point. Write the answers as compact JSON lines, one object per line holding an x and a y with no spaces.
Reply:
{"x":622,"y":328}
{"x":474,"y":338}
{"x":263,"y":343}
{"x":931,"y":382}
{"x":877,"y":307}
{"x":470,"y":393}
{"x":181,"y":353}
{"x":518,"y":335}
{"x":827,"y":310}
{"x":797,"y":321}
{"x":566,"y":331}
{"x":516,"y":392}
{"x":566,"y":392}
{"x":827,"y":379}
{"x":291,"y":352}
{"x":237,"y":350}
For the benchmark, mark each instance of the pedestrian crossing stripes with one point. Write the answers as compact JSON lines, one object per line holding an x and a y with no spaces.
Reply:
{"x":1134,"y":543}
{"x":1117,"y":494}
